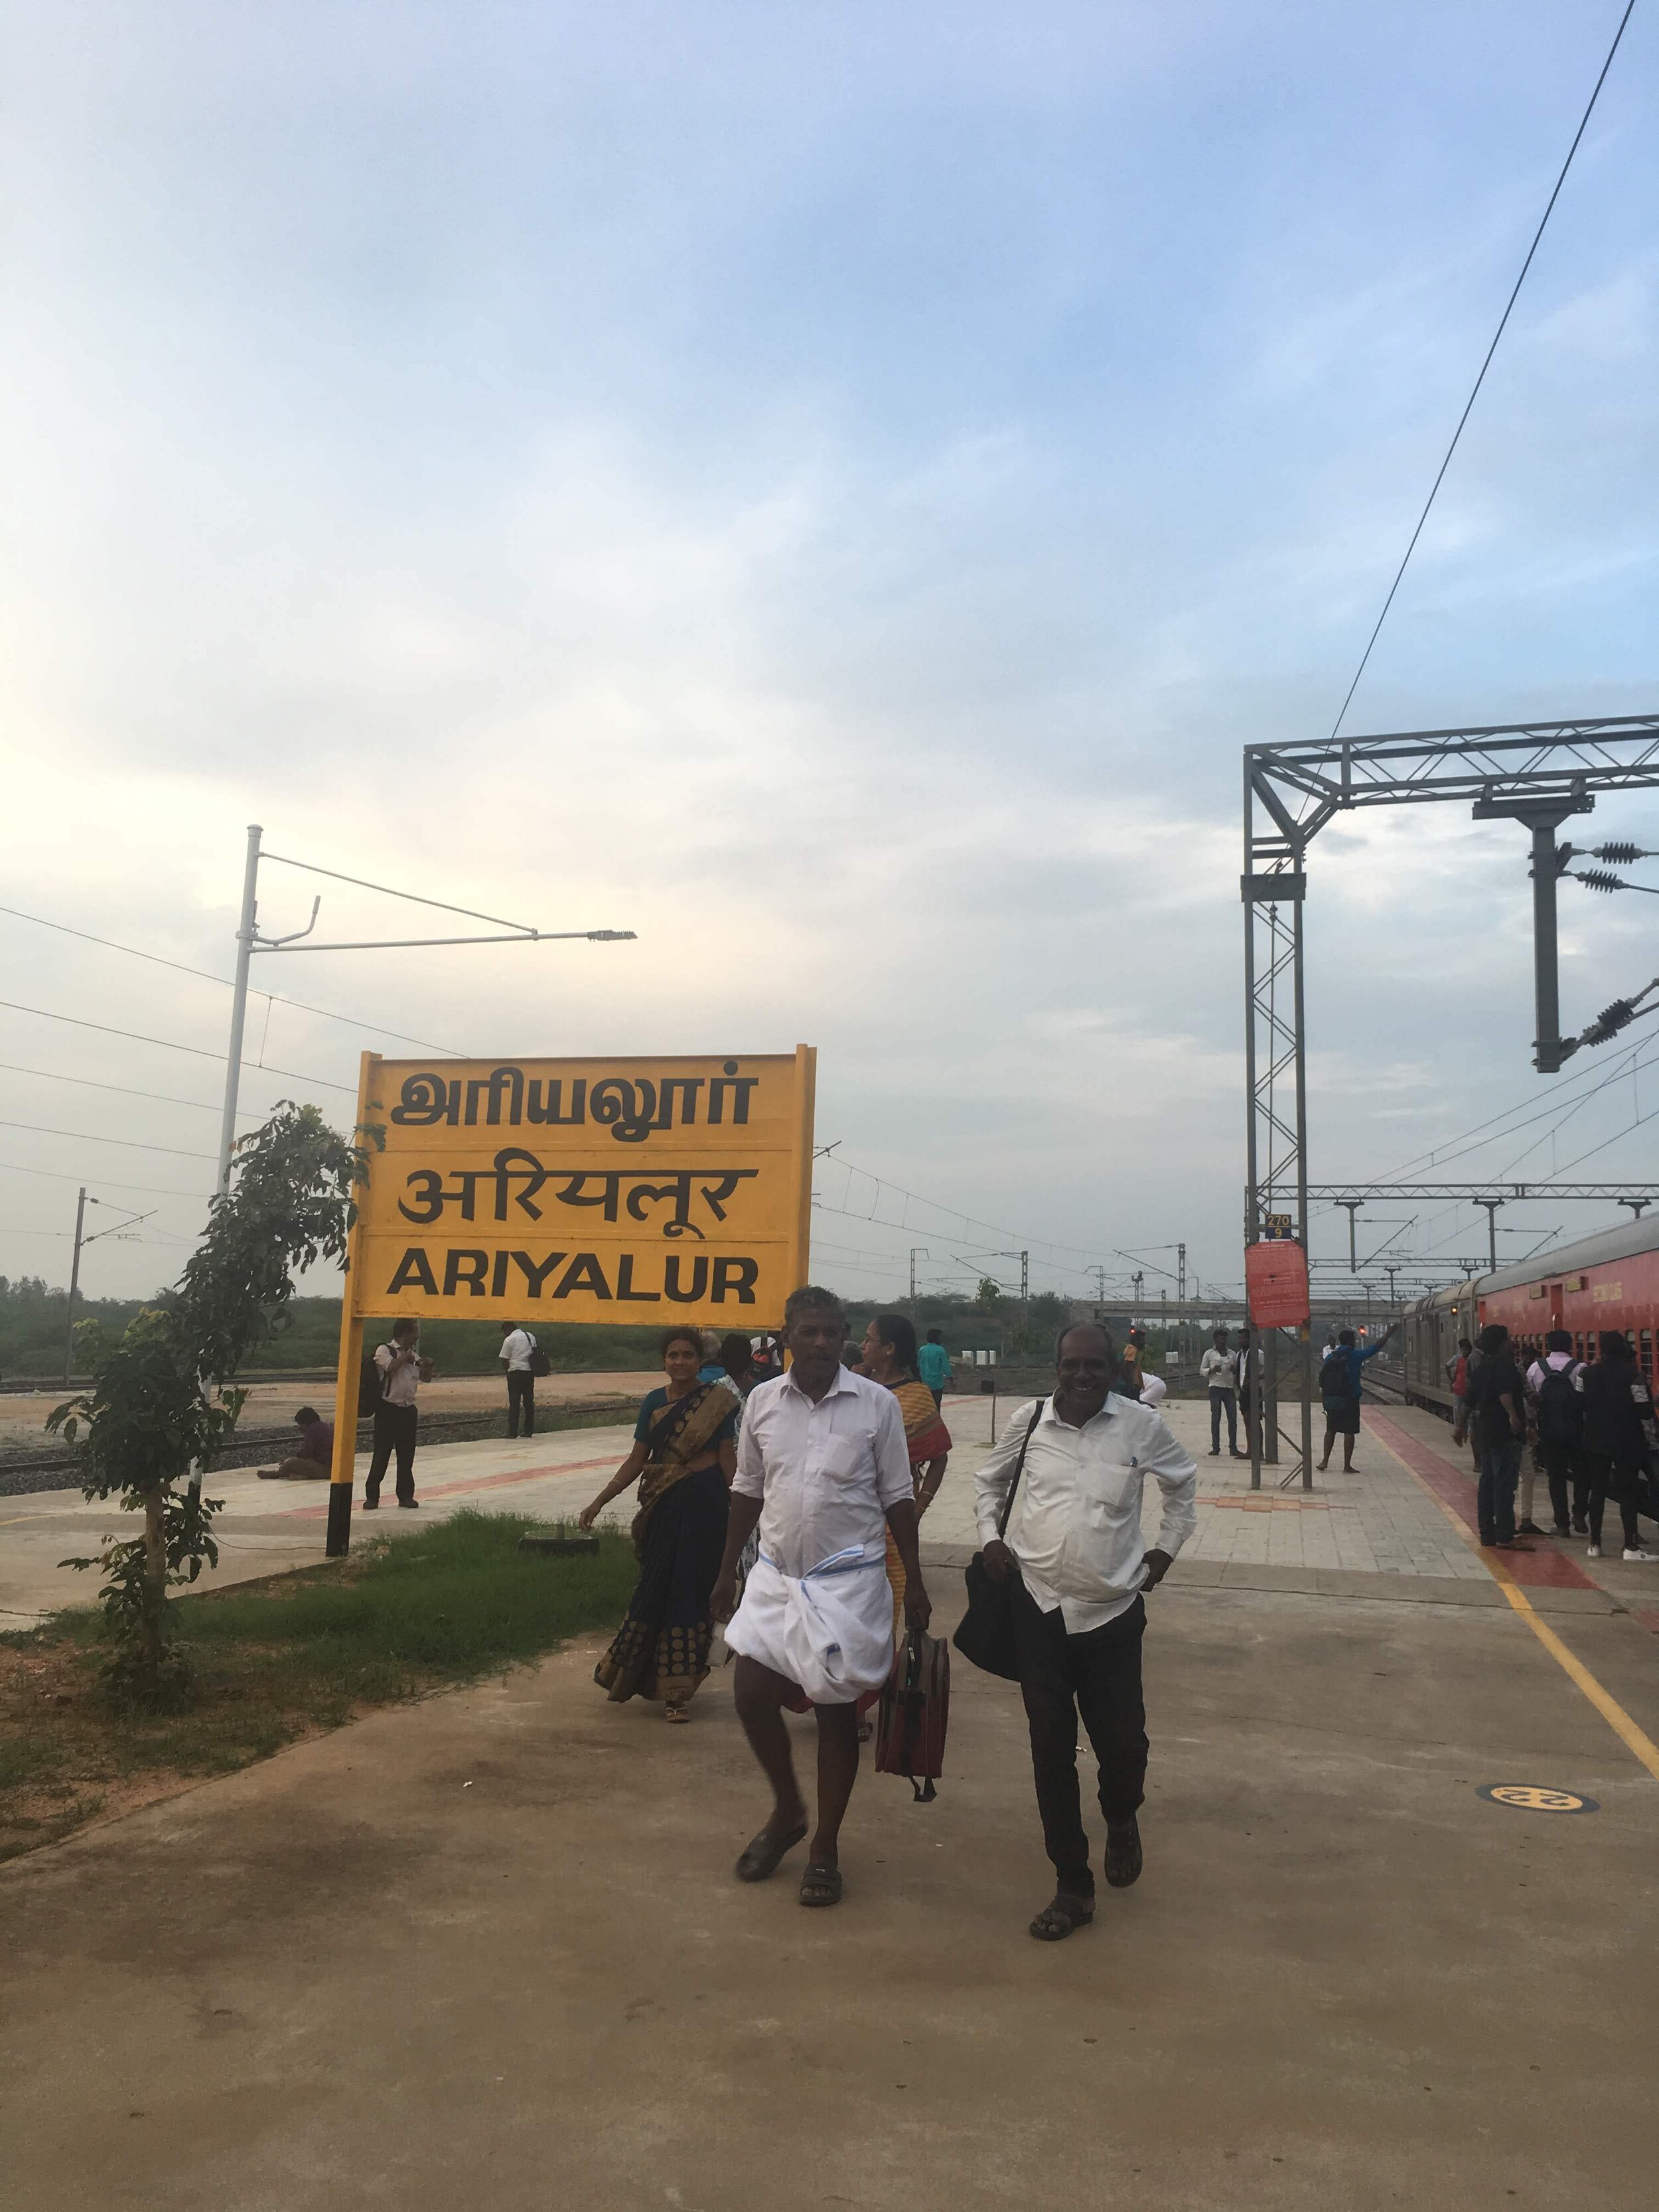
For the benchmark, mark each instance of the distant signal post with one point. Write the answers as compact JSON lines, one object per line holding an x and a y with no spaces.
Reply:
{"x":575,"y":1190}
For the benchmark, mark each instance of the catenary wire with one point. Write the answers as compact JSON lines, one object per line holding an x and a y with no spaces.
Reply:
{"x":352,"y":1021}
{"x":92,"y":1083}
{"x":86,"y":1137}
{"x":102,"y":1183}
{"x":1503,"y":320}
{"x":197,"y":1051}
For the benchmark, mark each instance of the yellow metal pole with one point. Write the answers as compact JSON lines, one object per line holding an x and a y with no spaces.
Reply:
{"x":806,"y":1078}
{"x":344,"y":1471}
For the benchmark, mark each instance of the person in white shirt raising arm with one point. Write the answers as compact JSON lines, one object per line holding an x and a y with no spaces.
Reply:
{"x":822,"y":1464}
{"x":1074,"y":1547}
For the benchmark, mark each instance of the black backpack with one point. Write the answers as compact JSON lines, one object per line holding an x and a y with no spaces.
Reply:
{"x":1560,"y":1408}
{"x":1335,"y":1379}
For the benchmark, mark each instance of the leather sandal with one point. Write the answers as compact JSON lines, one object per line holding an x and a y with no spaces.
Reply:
{"x":762,"y":1856}
{"x":1058,"y":1920}
{"x":820,"y":1884}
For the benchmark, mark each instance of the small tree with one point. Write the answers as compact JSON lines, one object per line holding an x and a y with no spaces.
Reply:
{"x":988,"y":1296}
{"x":163,"y":1393}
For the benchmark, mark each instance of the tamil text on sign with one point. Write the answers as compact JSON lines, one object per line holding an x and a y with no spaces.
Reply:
{"x":587,"y":1190}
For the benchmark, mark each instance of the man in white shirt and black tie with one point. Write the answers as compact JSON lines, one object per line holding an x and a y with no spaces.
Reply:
{"x":1074,"y":1542}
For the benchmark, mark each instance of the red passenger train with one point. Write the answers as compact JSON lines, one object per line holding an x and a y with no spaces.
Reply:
{"x":1610,"y":1280}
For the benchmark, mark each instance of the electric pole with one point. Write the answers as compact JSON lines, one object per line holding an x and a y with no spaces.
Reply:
{"x":917,"y":1252}
{"x":1492,"y":1206}
{"x":1025,"y":1278}
{"x":75,"y":1282}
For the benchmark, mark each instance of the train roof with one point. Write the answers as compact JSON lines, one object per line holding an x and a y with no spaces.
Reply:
{"x":1621,"y":1243}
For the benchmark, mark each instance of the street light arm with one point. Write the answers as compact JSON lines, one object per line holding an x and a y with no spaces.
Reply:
{"x":409,"y":944}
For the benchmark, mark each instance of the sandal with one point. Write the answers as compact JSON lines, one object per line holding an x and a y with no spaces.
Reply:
{"x":763,"y":1856}
{"x":820,"y":1884}
{"x":680,"y":1713}
{"x":1057,"y":1921}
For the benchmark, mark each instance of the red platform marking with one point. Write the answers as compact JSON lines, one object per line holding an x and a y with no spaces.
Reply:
{"x":472,"y":1483}
{"x":1544,"y":1569}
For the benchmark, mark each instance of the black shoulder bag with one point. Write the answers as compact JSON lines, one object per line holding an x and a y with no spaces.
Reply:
{"x":986,"y":1635}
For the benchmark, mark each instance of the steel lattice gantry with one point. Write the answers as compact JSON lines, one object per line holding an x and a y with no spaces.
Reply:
{"x":1535,"y":773}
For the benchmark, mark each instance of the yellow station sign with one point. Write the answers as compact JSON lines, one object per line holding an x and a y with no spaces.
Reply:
{"x":587,"y":1190}
{"x":576,"y":1190}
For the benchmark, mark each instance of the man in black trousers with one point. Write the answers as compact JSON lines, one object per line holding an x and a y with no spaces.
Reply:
{"x":402,"y":1371}
{"x":1079,"y":1611}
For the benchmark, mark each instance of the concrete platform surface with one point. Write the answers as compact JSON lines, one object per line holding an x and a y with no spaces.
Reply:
{"x":1382,"y":1521}
{"x":488,"y":1950}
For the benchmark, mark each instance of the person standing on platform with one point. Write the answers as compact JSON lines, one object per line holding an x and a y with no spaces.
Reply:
{"x":1219,"y":1370}
{"x":1498,"y":1427}
{"x":1340,"y":1386}
{"x":517,"y":1344}
{"x":1617,"y":1411}
{"x":1074,"y":1551}
{"x":1457,"y":1375}
{"x":933,"y":1366}
{"x":402,"y":1371}
{"x":822,"y":1466}
{"x":1555,"y":1396}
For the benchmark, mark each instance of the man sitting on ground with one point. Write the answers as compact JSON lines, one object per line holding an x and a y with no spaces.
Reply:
{"x":314,"y":1460}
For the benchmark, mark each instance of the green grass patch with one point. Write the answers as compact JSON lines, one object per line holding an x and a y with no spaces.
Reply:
{"x":275,"y":1660}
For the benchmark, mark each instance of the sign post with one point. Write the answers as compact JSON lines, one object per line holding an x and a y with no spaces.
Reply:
{"x":575,"y":1190}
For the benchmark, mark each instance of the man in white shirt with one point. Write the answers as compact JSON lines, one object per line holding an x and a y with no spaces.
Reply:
{"x":517,"y":1344}
{"x":1219,"y":1369}
{"x":402,"y":1371}
{"x":821,"y":1465}
{"x":1074,"y":1545}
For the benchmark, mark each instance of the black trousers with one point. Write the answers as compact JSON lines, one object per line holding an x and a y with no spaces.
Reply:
{"x":1606,"y":1477}
{"x":520,"y":1398}
{"x":1563,"y":1466}
{"x":1222,"y":1401}
{"x":394,"y":1431}
{"x":1097,"y":1676}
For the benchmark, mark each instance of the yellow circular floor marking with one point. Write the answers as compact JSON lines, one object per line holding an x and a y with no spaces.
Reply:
{"x":1532,"y":1797}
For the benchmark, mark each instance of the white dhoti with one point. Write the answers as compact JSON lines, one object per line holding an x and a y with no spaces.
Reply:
{"x":829,"y":1630}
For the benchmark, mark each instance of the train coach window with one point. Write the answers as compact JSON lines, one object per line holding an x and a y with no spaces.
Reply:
{"x":1578,"y":1346}
{"x":1647,"y":1351}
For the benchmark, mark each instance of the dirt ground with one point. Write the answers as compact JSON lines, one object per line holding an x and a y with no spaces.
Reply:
{"x":22,"y":1416}
{"x":488,"y":1949}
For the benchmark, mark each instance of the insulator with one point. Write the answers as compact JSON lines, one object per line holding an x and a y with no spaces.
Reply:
{"x":1599,"y":880}
{"x":1621,"y":855}
{"x":1609,"y":1023}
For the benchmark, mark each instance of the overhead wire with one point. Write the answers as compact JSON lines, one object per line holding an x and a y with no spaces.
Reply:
{"x":324,"y":1013}
{"x":92,"y":1083}
{"x":197,"y":1051}
{"x":1502,"y":322}
{"x":86,"y":1137}
{"x":100,"y":1182}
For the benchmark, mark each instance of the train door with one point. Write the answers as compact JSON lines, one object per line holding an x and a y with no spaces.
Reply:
{"x":1558,"y":1309}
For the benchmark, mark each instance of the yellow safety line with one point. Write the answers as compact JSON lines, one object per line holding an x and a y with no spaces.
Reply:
{"x":1574,"y":1669}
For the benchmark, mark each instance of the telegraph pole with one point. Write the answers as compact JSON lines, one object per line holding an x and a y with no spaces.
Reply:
{"x":239,"y":1000}
{"x":75,"y":1282}
{"x":1492,"y":1206}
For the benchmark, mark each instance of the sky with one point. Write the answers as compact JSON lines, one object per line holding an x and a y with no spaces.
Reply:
{"x":832,"y":490}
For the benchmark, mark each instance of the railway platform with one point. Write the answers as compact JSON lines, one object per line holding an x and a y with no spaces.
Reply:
{"x":1393,"y":1945}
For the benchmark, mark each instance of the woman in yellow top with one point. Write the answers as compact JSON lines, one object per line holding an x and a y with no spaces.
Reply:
{"x":890,"y":1356}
